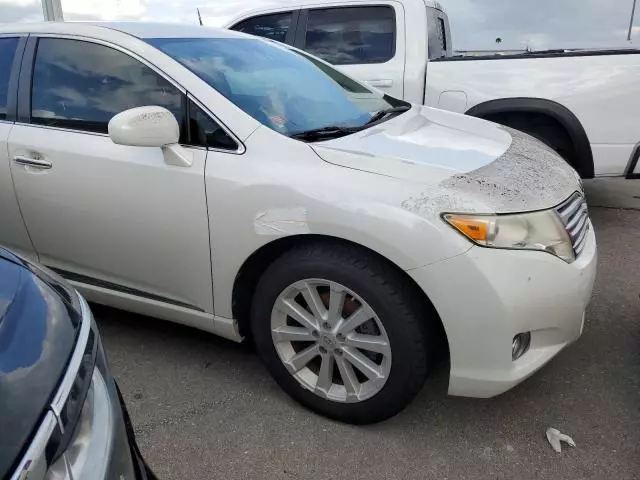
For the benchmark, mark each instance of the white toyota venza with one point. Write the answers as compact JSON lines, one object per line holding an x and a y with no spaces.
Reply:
{"x":248,"y":189}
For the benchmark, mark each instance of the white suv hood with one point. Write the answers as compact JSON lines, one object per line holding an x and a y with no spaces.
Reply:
{"x":463,"y":162}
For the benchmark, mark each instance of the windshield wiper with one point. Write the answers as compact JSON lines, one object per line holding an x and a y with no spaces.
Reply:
{"x":332,"y":131}
{"x":383,"y":113}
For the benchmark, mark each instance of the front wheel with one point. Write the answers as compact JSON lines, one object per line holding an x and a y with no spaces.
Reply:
{"x":341,"y":333}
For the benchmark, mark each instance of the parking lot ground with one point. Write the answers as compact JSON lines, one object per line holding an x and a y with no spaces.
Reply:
{"x":205,"y":408}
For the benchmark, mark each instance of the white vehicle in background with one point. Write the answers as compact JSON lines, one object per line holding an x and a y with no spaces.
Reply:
{"x":233,"y":184}
{"x":584,"y":104}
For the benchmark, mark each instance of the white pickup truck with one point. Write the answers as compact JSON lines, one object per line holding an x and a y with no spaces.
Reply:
{"x":584,"y":104}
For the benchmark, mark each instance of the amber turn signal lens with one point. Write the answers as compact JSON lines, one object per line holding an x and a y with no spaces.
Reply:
{"x":471,"y":228}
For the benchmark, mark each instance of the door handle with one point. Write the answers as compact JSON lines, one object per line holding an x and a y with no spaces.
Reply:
{"x":382,"y":83}
{"x":32,"y":162}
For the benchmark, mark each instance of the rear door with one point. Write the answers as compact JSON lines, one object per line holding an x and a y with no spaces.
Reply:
{"x":13,"y":233}
{"x":115,"y":218}
{"x":366,"y":42}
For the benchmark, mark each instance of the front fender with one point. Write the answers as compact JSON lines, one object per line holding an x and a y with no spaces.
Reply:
{"x":259,"y":197}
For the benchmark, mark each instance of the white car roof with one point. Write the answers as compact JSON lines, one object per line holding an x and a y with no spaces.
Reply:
{"x":136,"y":29}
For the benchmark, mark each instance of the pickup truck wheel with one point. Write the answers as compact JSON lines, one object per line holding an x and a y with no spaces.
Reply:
{"x":339,"y":332}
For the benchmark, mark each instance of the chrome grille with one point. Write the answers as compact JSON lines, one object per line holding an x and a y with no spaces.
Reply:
{"x":575,"y":217}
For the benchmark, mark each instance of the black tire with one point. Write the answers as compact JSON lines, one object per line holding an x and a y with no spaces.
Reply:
{"x":385,"y":290}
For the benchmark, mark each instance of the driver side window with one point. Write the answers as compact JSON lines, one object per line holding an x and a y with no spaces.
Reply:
{"x":82,"y":85}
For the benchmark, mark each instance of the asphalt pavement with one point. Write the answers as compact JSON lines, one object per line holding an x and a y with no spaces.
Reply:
{"x":205,"y":408}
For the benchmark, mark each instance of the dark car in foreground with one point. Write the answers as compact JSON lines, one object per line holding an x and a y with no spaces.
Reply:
{"x":62,"y":415}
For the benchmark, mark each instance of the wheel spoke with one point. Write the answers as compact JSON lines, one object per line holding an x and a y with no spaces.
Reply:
{"x":355,"y":320}
{"x":314,"y":302}
{"x":291,"y":334}
{"x":332,"y":342}
{"x":351,"y":383}
{"x":371,"y":343}
{"x":325,"y":376}
{"x":299,"y":314}
{"x":362,"y":363}
{"x":336,"y":304}
{"x":302,"y":358}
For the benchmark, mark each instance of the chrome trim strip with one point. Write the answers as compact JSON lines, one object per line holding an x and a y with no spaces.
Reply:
{"x":577,"y":219}
{"x":576,"y":229}
{"x":32,"y":162}
{"x":62,"y":394}
{"x":574,"y":215}
{"x":34,"y":463}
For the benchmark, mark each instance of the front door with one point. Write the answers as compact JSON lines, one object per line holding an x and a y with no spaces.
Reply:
{"x":116,"y":218}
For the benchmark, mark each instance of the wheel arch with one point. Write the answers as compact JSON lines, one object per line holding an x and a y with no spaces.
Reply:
{"x":257,"y":263}
{"x":551,"y":109}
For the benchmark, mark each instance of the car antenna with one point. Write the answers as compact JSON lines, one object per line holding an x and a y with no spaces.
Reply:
{"x":199,"y":17}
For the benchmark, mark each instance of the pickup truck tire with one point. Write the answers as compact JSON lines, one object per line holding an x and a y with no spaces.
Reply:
{"x":366,"y":281}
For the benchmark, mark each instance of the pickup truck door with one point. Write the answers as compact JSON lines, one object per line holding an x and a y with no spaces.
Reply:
{"x":117,"y":220}
{"x":366,"y":42}
{"x":13,"y":233}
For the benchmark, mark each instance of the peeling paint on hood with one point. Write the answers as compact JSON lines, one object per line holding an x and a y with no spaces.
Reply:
{"x":465,"y":164}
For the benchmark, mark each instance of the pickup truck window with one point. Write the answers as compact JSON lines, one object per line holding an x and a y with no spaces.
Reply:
{"x":7,"y":51}
{"x":436,"y":31}
{"x":282,"y":89}
{"x":273,"y":27}
{"x":352,"y":35}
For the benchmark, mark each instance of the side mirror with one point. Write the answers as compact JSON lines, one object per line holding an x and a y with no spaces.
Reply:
{"x":150,"y":127}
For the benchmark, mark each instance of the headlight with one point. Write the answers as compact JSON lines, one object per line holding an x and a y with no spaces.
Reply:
{"x":542,"y":231}
{"x":88,"y":452}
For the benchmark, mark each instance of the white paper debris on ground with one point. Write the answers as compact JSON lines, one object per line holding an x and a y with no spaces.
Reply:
{"x":556,"y":436}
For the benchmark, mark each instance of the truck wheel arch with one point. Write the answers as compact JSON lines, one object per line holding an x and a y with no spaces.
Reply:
{"x":547,"y":108}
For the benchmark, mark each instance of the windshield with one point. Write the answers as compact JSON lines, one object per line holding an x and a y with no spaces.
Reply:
{"x":285,"y":90}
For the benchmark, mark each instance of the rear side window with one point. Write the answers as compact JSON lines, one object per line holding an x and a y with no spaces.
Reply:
{"x":352,"y":35}
{"x":7,"y":51}
{"x":273,"y":27}
{"x":436,"y":34}
{"x":82,"y":85}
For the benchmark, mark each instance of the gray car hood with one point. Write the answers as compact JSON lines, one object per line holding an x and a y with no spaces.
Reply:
{"x":465,"y":164}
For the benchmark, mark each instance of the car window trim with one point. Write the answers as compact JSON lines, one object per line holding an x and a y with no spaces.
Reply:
{"x":303,"y":23}
{"x":14,"y":73}
{"x":26,"y":85}
{"x":240,"y":149}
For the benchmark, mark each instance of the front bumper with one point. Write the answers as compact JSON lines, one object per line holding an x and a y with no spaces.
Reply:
{"x":487,"y":296}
